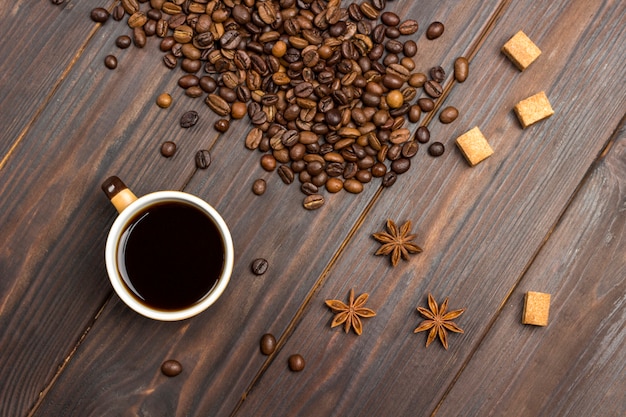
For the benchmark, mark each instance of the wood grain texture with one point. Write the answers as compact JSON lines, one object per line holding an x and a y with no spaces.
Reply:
{"x":272,"y":226}
{"x":575,"y":366}
{"x":479,"y":227}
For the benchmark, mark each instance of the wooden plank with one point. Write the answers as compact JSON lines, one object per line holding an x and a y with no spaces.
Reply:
{"x":575,"y":365}
{"x":117,"y":367}
{"x":54,"y":216}
{"x":479,"y":227}
{"x":39,"y":44}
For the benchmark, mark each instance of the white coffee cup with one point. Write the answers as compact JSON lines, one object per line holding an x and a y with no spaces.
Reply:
{"x":129,"y":207}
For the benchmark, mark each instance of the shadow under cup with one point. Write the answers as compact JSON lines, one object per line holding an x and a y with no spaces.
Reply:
{"x":171,"y":255}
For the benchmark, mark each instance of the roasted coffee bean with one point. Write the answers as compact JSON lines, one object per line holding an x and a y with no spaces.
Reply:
{"x":433,"y":89}
{"x":208,"y":84}
{"x":435,"y":30}
{"x":203,"y":159}
{"x":461,"y":69}
{"x":171,"y":368}
{"x":259,"y":266}
{"x":448,"y":115}
{"x":99,"y":15}
{"x":253,"y":139}
{"x":187,"y":81}
{"x":393,"y":46}
{"x":423,"y":134}
{"x":139,"y":37}
{"x":390,"y":18}
{"x":218,"y":104}
{"x":438,"y":74}
{"x":168,"y":149}
{"x":296,"y":362}
{"x":130,"y":6}
{"x":110,"y":61}
{"x":170,"y":61}
{"x":426,"y":104}
{"x":389,"y":179}
{"x":409,"y":149}
{"x":189,"y":119}
{"x":334,"y":185}
{"x":408,"y":27}
{"x":123,"y":42}
{"x":268,"y":162}
{"x":410,"y":48}
{"x":353,"y":186}
{"x":164,"y":100}
{"x":436,"y":149}
{"x":222,"y":125}
{"x":309,"y":188}
{"x":379,"y":169}
{"x":259,"y":186}
{"x":268,"y":344}
{"x":313,"y":201}
{"x":286,"y":174}
{"x":379,"y":4}
{"x":417,"y":80}
{"x":401,"y":165}
{"x":414,"y":114}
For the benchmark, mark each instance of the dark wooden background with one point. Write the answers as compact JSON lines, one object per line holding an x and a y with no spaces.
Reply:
{"x":547,"y":212}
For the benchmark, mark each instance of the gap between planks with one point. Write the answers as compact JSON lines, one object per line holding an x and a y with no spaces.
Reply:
{"x":599,"y":158}
{"x":472,"y":50}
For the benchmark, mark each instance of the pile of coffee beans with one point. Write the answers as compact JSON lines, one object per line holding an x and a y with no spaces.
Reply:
{"x":329,"y":90}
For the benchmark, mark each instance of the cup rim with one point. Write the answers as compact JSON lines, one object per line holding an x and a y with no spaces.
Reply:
{"x":118,"y":228}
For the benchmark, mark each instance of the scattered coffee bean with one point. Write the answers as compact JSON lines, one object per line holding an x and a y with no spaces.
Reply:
{"x":99,"y":15}
{"x":259,"y":186}
{"x":313,"y":202}
{"x":203,"y":159}
{"x":426,"y":104}
{"x":222,"y":125}
{"x":123,"y":42}
{"x":433,"y":89}
{"x":435,"y":30}
{"x":448,"y":115}
{"x":168,"y":149}
{"x":423,"y":134}
{"x":171,"y":368}
{"x":438,"y":74}
{"x":259,"y":266}
{"x":164,"y":100}
{"x":296,"y":362}
{"x":461,"y":69}
{"x":286,"y":174}
{"x":436,"y":149}
{"x":389,"y":179}
{"x":268,"y":162}
{"x":189,"y":119}
{"x":110,"y":61}
{"x":268,"y":344}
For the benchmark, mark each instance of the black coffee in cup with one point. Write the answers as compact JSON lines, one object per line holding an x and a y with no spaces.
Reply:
{"x":170,"y":255}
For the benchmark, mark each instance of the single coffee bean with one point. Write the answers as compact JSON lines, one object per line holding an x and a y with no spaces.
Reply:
{"x":219,"y":105}
{"x":448,"y":115}
{"x":171,"y":368}
{"x":334,"y":185}
{"x":417,"y":80}
{"x":110,"y":61}
{"x":438,"y":74}
{"x":259,"y":186}
{"x":389,"y":179}
{"x":123,"y":42}
{"x":222,"y":125}
{"x":259,"y":266}
{"x":390,"y":18}
{"x":268,"y":162}
{"x":401,"y":165}
{"x":423,"y":134}
{"x":353,"y":186}
{"x":139,"y":37}
{"x":208,"y":84}
{"x":203,"y":159}
{"x":426,"y":104}
{"x":461,"y":69}
{"x":118,"y":13}
{"x":168,"y":149}
{"x":286,"y":174}
{"x":296,"y":362}
{"x":409,"y":149}
{"x":313,"y":202}
{"x":268,"y":344}
{"x":189,"y":119}
{"x":379,"y":169}
{"x":433,"y":89}
{"x":436,"y":149}
{"x":408,"y":27}
{"x":414,"y":113}
{"x":164,"y":100}
{"x":410,"y":48}
{"x":99,"y":15}
{"x":435,"y":30}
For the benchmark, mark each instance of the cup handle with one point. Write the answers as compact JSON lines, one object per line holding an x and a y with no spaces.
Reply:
{"x":118,"y":193}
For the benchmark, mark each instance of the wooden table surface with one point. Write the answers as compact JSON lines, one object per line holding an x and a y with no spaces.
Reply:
{"x":546,"y":212}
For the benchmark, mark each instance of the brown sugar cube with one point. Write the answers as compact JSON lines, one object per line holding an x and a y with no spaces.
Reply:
{"x":474,"y":146}
{"x":536,"y":308}
{"x":521,"y":50}
{"x":533,"y":109}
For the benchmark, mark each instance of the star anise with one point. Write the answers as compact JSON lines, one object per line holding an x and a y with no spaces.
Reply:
{"x":349,"y":315}
{"x":438,"y":320}
{"x":397,"y":242}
